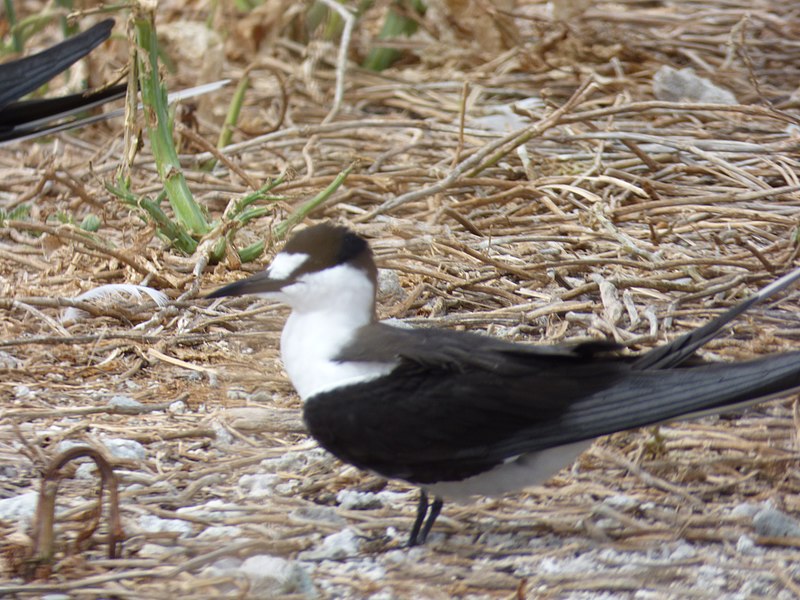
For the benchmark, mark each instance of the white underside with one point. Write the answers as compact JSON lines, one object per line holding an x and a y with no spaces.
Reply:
{"x":514,"y":474}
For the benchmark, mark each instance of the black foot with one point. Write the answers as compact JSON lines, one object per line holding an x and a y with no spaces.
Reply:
{"x":422,"y":527}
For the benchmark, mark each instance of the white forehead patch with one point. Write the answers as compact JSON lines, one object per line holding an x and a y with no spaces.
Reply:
{"x":284,"y":264}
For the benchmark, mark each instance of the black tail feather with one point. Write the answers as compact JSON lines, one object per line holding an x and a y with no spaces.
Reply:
{"x":23,"y":76}
{"x":32,"y":118}
{"x":681,"y":348}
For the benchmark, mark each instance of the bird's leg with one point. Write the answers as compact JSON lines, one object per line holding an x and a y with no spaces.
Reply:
{"x":422,"y":526}
{"x":436,"y":508}
{"x":422,"y":510}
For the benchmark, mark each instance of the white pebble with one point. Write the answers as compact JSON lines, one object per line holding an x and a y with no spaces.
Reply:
{"x":22,"y":392}
{"x":771,"y":522}
{"x":125,"y":449}
{"x":335,"y":547}
{"x":218,"y":531}
{"x":258,"y":485}
{"x":353,"y":500}
{"x":154,"y":524}
{"x":267,"y":575}
{"x":19,"y":508}
{"x":122,"y":401}
{"x":177,"y":408}
{"x":745,"y":545}
{"x":621,"y":502}
{"x":8,"y":361}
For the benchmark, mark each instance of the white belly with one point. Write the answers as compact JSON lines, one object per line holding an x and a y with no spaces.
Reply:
{"x":514,"y":474}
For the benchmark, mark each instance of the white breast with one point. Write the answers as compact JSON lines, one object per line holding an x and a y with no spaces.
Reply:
{"x":309,"y":345}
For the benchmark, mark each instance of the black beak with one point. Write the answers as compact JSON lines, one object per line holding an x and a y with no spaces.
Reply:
{"x":260,"y":283}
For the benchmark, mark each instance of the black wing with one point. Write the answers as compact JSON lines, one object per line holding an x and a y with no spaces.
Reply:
{"x":459,"y":350}
{"x":466,"y":403}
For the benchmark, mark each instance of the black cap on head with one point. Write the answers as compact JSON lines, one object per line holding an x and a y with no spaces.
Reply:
{"x":325,"y":245}
{"x":329,"y":245}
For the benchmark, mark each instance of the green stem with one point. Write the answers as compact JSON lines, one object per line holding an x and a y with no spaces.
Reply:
{"x":175,"y":234}
{"x":231,"y":119}
{"x":234,"y":110}
{"x":11,"y":15}
{"x":282,"y":228}
{"x":156,"y":113}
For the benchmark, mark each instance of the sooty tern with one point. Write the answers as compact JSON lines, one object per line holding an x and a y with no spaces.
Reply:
{"x":24,"y":118}
{"x":461,"y":414}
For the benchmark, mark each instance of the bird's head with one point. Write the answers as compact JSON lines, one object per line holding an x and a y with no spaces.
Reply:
{"x":324,"y":267}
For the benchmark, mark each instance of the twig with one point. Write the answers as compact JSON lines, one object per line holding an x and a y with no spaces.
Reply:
{"x":341,"y":59}
{"x":481,"y":159}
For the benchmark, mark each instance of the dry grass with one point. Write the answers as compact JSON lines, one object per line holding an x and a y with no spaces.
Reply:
{"x":624,"y":217}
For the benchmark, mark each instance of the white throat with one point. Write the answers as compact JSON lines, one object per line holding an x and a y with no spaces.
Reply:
{"x":328,"y":308}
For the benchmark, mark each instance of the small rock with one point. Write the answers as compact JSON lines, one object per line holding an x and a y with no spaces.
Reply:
{"x":389,"y":287}
{"x":621,"y":502}
{"x":261,"y":397}
{"x":65,"y":445}
{"x":218,"y":531}
{"x":154,"y":524}
{"x":8,"y":361}
{"x":116,"y":447}
{"x":384,"y":595}
{"x":712,"y":577}
{"x":317,"y":514}
{"x":268,"y":576}
{"x":125,"y":449}
{"x":353,"y":500}
{"x":23,"y":392}
{"x":771,"y":522}
{"x":177,"y":408}
{"x":224,"y":566}
{"x":86,"y":470}
{"x":747,"y":510}
{"x":193,"y":376}
{"x":258,"y":485}
{"x":745,"y":545}
{"x":236,"y":394}
{"x":123,"y":402}
{"x":152,"y":551}
{"x":287,"y":488}
{"x":504,"y":118}
{"x":294,"y":462}
{"x":212,"y":510}
{"x":274,"y":575}
{"x":222,"y":437}
{"x":683,"y":551}
{"x":686,"y":86}
{"x":335,"y":547}
{"x":19,"y":508}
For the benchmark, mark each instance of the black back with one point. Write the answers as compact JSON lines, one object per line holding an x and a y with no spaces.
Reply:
{"x":459,"y":404}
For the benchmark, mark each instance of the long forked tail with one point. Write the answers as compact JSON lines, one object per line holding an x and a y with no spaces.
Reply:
{"x":681,"y":348}
{"x":657,"y":396}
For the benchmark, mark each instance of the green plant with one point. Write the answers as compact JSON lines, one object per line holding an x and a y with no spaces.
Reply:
{"x":401,"y":20}
{"x":190,"y":224}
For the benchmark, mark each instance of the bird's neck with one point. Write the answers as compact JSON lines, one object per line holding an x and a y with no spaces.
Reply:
{"x":312,"y":340}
